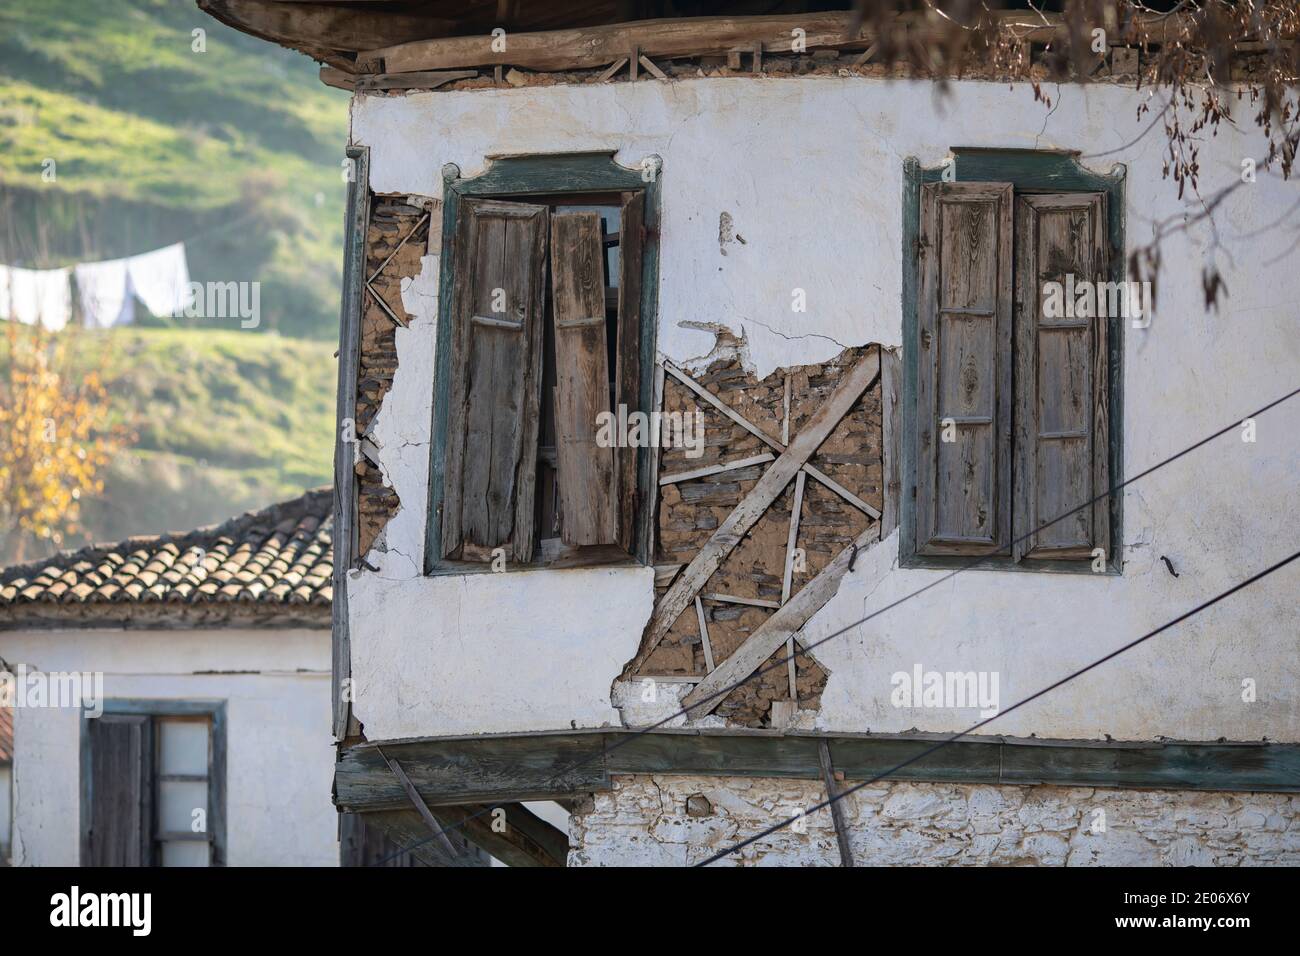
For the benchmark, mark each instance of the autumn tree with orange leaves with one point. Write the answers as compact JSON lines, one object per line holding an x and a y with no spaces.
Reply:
{"x":55,"y":439}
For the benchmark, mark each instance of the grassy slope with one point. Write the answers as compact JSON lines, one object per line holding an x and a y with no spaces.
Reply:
{"x":236,"y":150}
{"x":225,"y":421}
{"x":167,"y":143}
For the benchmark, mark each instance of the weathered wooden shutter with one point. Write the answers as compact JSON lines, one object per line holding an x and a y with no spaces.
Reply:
{"x":121,"y":791}
{"x":1061,"y":405}
{"x":498,"y":316}
{"x":963,"y":486}
{"x":589,"y":508}
{"x":627,"y":377}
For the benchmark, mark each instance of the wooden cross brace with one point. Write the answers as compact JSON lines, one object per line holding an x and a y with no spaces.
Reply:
{"x":728,"y":535}
{"x":375,"y":275}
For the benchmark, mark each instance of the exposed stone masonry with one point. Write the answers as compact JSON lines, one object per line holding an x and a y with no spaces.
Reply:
{"x":682,"y":820}
{"x":390,"y":220}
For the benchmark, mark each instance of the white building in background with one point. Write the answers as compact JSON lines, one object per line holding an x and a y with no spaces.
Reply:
{"x":6,"y":781}
{"x":191,"y":678}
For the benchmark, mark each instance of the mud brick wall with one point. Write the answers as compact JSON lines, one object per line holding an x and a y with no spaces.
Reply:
{"x":391,"y":219}
{"x":690,"y":511}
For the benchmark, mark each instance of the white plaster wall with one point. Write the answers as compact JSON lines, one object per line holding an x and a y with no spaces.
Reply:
{"x":811,"y":169}
{"x":279,"y":753}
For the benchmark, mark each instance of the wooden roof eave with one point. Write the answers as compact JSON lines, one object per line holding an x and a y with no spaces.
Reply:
{"x":327,"y":33}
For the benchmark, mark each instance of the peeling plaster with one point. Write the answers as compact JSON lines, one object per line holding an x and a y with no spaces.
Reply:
{"x":814,"y":170}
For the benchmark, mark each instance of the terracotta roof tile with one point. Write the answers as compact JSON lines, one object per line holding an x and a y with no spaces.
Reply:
{"x":263,"y":562}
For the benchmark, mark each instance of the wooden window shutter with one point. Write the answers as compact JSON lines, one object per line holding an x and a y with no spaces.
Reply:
{"x":627,"y":377}
{"x":498,"y":311}
{"x":963,"y":486}
{"x":589,"y":505}
{"x":1062,"y":454}
{"x":121,"y":791}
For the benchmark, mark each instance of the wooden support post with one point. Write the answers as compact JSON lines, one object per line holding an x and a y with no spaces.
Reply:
{"x":837,"y":811}
{"x":420,"y":805}
{"x":634,"y":63}
{"x":867,"y":54}
{"x":612,"y":69}
{"x":651,"y":68}
{"x":758,"y":56}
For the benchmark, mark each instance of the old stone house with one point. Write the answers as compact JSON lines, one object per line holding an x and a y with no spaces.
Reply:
{"x":712,"y":440}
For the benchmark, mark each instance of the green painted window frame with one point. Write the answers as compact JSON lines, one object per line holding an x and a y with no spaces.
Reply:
{"x":520,"y":177}
{"x":1028,"y":171}
{"x":215,"y":711}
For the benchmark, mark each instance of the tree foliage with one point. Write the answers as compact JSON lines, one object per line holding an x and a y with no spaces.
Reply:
{"x":55,"y":439}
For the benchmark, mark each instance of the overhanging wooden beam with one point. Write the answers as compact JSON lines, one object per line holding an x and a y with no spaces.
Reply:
{"x":595,"y":47}
{"x":543,"y":766}
{"x":318,"y":26}
{"x":598,"y":47}
{"x":524,"y":840}
{"x":391,"y":81}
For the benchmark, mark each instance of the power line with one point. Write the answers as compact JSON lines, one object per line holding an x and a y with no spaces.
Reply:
{"x":1020,"y":703}
{"x":976,"y":560}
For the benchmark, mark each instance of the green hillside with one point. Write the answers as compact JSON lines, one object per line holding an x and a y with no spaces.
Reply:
{"x":236,"y":149}
{"x":225,"y":422}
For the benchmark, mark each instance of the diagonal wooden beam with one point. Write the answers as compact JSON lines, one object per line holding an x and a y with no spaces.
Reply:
{"x":837,"y":809}
{"x":757,"y":432}
{"x":746,"y":514}
{"x":420,"y":805}
{"x":525,"y":839}
{"x":773,"y":632}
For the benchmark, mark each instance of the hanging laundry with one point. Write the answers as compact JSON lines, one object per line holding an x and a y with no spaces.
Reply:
{"x":160,"y":279}
{"x":104,"y":289}
{"x":35,"y":296}
{"x":108,"y":290}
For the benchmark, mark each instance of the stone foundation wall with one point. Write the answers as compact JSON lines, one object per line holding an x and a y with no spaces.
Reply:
{"x":681,"y":820}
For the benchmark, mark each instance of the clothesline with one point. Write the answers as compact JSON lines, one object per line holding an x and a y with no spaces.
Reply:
{"x":106,"y":291}
{"x":44,"y":296}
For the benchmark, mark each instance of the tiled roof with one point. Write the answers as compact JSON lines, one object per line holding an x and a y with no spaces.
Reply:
{"x":6,"y":734}
{"x":266,"y":568}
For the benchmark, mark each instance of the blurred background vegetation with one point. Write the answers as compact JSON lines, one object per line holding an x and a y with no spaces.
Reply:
{"x":236,"y":151}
